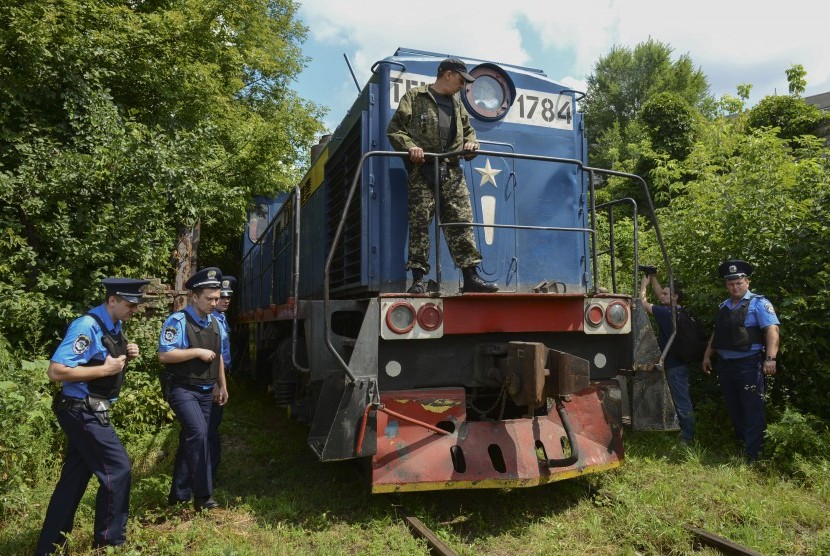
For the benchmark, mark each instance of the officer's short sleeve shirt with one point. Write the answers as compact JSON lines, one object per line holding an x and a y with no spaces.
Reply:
{"x":83,"y":343}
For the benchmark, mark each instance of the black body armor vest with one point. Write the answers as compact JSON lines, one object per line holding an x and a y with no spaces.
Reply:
{"x":195,"y":371}
{"x":108,"y":386}
{"x":730,"y":332}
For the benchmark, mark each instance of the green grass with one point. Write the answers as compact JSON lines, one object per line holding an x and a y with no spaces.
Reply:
{"x":278,"y":499}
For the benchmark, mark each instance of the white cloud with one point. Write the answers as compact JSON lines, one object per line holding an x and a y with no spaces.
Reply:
{"x":733,"y":41}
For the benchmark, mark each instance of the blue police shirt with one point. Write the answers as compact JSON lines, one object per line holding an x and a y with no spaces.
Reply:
{"x":173,"y":335}
{"x":226,"y":340}
{"x":761,"y":313}
{"x":83,"y":343}
{"x":662,"y":314}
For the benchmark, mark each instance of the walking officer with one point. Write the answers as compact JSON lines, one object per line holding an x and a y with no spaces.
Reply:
{"x":225,"y":294}
{"x":746,"y":341}
{"x":190,"y":347}
{"x":90,"y":362}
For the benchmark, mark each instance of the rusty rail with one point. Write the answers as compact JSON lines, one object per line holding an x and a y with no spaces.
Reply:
{"x":437,"y":547}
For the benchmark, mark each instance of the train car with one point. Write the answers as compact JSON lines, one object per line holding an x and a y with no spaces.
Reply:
{"x":446,"y":390}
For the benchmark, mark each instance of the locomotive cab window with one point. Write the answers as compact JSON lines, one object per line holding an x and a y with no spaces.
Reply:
{"x":490,"y":96}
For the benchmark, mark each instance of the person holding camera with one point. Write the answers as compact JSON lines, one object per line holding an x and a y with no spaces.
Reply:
{"x":677,"y":370}
{"x":431,"y":118}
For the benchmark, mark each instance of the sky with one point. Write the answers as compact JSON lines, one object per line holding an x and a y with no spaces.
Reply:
{"x":731,"y":41}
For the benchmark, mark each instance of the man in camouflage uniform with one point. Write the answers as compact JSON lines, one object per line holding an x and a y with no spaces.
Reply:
{"x":431,"y":118}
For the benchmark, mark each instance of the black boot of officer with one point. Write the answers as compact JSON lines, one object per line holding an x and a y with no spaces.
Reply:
{"x":474,"y":283}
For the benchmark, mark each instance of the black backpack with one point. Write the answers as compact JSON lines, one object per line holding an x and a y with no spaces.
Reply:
{"x":691,"y":339}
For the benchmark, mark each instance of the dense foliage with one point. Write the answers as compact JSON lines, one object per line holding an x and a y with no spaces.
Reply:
{"x":749,"y":184}
{"x":622,"y":82}
{"x":122,"y":124}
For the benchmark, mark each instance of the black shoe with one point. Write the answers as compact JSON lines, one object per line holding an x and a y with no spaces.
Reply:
{"x":418,"y":286}
{"x":173,"y":501}
{"x":204,"y":503}
{"x":474,"y":283}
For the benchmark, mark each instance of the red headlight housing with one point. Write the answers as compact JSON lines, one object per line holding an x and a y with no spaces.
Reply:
{"x":400,"y":318}
{"x":617,"y":314}
{"x":594,"y":314}
{"x":430,"y":316}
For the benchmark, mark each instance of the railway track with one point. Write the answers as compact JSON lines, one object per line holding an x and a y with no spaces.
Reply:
{"x":437,"y":547}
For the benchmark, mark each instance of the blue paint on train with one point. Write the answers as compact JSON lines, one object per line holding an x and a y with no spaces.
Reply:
{"x":514,"y":110}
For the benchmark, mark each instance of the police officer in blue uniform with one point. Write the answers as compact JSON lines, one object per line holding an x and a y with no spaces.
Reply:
{"x":90,"y":363}
{"x":225,"y":294}
{"x":190,"y":347}
{"x":746,"y":341}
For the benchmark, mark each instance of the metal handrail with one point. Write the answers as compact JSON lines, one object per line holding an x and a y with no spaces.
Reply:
{"x":436,"y":157}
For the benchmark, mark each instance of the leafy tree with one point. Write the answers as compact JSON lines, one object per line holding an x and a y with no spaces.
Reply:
{"x":621,"y":84}
{"x":789,"y":114}
{"x":122,"y":123}
{"x":797,"y":79}
{"x":761,"y":198}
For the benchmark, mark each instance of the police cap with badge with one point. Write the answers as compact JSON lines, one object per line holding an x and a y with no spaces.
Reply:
{"x":210,"y":277}
{"x":126,"y":288}
{"x":734,"y":269}
{"x":228,"y":285}
{"x":456,"y":65}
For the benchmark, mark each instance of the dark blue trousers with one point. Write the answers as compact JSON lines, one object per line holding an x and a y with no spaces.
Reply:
{"x":92,"y":449}
{"x":192,"y":470}
{"x":214,"y":440}
{"x":742,"y":383}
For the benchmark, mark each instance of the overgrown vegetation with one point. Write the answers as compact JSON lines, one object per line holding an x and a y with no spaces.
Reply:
{"x":731,"y":182}
{"x":122,"y":124}
{"x":278,"y":499}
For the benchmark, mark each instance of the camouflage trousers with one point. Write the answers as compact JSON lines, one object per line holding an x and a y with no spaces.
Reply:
{"x":455,"y":207}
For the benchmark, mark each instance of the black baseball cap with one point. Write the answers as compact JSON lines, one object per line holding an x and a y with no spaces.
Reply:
{"x":455,"y":64}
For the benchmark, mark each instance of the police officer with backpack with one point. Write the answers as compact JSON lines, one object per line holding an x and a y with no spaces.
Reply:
{"x":677,"y":370}
{"x":190,"y":347}
{"x":90,"y":363}
{"x":746,"y":342}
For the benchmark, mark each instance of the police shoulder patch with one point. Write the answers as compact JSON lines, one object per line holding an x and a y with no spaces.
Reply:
{"x":81,"y":344}
{"x":170,"y":333}
{"x":770,"y":309}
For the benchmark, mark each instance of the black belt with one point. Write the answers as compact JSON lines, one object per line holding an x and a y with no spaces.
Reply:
{"x":63,"y":403}
{"x":742,"y":358}
{"x":195,"y":387}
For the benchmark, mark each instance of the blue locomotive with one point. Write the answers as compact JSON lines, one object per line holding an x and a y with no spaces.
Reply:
{"x":447,"y":390}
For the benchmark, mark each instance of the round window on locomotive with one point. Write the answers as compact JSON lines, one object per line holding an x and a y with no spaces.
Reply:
{"x":490,"y":96}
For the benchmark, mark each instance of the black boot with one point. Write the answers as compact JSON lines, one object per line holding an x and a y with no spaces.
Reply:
{"x":418,"y":285}
{"x":474,"y":283}
{"x":204,"y":503}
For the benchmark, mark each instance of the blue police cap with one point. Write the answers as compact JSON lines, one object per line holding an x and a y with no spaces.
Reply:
{"x":730,"y":270}
{"x":126,"y":288}
{"x":210,"y":277}
{"x":228,"y":285}
{"x":456,"y":65}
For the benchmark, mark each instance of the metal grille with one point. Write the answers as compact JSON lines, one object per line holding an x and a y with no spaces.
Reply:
{"x":340,"y":169}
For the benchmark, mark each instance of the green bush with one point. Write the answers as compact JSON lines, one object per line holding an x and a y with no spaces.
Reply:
{"x":140,"y":407}
{"x":29,"y":446}
{"x":795,"y":438}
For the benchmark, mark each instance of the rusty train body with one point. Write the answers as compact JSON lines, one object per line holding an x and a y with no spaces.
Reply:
{"x":446,"y":390}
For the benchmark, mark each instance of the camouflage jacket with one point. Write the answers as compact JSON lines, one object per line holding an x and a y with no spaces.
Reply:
{"x":415,"y":123}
